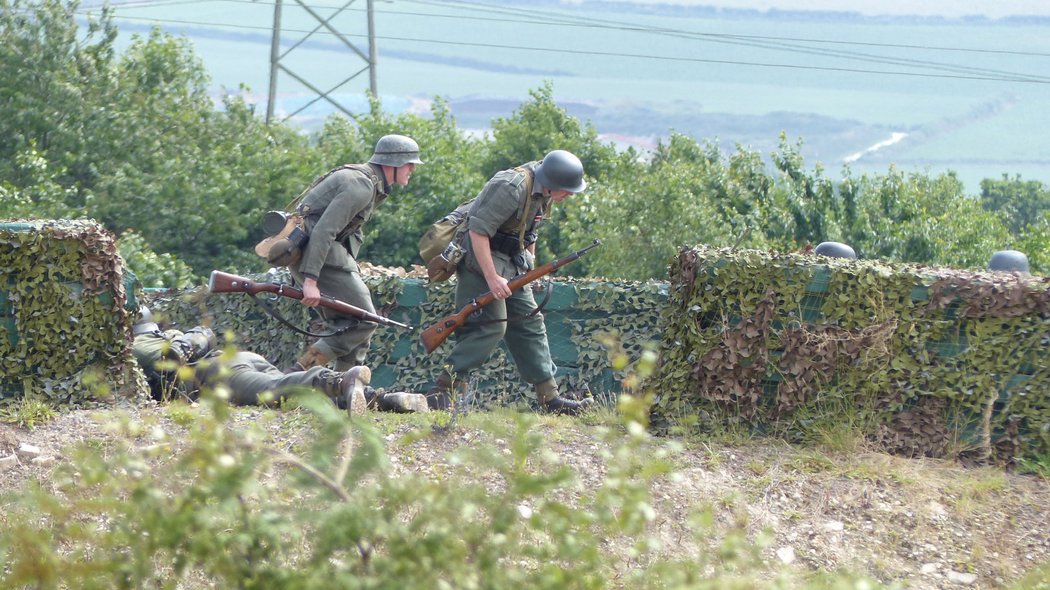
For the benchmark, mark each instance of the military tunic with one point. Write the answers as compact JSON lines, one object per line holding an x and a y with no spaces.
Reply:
{"x":504,"y":207}
{"x":334,"y":212}
{"x":149,"y":350}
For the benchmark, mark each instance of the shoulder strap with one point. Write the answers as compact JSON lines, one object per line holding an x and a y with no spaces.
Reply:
{"x":367,"y":171}
{"x":363,"y":168}
{"x":522,"y":222}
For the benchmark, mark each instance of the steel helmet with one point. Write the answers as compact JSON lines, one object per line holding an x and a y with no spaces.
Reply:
{"x":835,"y":250}
{"x":1008,"y":260}
{"x":145,"y":323}
{"x":561,"y":171}
{"x":396,"y":150}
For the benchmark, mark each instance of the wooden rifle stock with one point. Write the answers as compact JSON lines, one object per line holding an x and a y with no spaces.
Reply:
{"x":222,"y":282}
{"x":436,"y":333}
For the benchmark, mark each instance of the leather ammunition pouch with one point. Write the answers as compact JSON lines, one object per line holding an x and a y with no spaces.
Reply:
{"x":511,"y":245}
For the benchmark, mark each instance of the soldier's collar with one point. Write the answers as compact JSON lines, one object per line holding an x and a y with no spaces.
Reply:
{"x":382,"y":177}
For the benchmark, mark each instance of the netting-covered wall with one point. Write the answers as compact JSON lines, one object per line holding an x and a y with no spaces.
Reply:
{"x":928,"y":361}
{"x":64,"y":303}
{"x":575,"y":313}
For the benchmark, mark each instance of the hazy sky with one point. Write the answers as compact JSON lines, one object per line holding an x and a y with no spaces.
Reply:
{"x":950,"y":8}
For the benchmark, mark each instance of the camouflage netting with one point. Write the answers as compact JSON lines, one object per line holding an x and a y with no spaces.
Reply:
{"x":64,"y":305}
{"x":926,"y":361}
{"x":576,"y":311}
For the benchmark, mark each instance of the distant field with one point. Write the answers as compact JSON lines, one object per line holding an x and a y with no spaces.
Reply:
{"x":636,"y":74}
{"x":944,"y":8}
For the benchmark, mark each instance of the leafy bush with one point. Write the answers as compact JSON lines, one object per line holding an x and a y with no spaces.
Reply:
{"x":152,"y":269}
{"x":139,"y":133}
{"x":232,"y":509}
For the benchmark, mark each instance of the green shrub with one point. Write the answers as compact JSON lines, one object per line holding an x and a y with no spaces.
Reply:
{"x":232,"y":509}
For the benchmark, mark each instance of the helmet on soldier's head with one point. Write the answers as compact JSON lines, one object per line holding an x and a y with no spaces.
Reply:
{"x":145,"y":322}
{"x":835,"y":250}
{"x":1009,"y":260}
{"x":561,"y":171}
{"x":396,"y":150}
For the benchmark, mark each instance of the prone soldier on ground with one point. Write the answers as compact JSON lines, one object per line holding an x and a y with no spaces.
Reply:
{"x":251,"y":379}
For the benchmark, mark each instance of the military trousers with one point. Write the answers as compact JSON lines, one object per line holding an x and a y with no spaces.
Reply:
{"x":248,"y":375}
{"x":351,"y":347}
{"x":526,"y":339}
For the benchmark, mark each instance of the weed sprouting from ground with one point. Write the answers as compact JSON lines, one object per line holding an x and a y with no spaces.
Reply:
{"x":231,"y":507}
{"x":28,"y":412}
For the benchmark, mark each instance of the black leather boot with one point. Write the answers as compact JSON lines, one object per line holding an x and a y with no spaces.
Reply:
{"x":403,"y":402}
{"x":440,"y":396}
{"x":567,"y":407}
{"x":553,"y":402}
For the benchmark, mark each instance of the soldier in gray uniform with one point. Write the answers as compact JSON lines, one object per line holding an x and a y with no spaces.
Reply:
{"x":501,"y":244}
{"x":252,"y":380}
{"x":334,"y":211}
{"x":161,"y":352}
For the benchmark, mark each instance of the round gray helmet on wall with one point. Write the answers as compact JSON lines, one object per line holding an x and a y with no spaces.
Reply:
{"x":561,"y":171}
{"x":396,"y":150}
{"x":835,"y":250}
{"x":1008,"y":260}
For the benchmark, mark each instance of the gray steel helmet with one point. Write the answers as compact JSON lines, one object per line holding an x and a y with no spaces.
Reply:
{"x":145,"y":323}
{"x":1008,"y":260}
{"x":561,"y":171}
{"x":396,"y":150}
{"x":835,"y":250}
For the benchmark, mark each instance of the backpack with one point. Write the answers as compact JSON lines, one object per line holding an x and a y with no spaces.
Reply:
{"x":442,"y":248}
{"x":286,"y":236}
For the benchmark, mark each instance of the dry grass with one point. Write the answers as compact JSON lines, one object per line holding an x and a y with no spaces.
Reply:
{"x":824,"y":508}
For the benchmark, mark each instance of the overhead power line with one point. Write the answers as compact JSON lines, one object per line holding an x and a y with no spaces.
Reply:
{"x":573,"y":22}
{"x":935,"y":69}
{"x":773,"y":43}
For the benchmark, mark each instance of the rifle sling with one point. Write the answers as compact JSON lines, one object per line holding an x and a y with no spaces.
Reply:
{"x":277,"y":316}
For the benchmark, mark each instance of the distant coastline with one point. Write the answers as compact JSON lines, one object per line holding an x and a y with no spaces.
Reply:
{"x":701,"y":9}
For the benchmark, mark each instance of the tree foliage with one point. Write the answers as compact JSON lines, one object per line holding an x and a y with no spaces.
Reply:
{"x":135,"y":141}
{"x":448,"y":176}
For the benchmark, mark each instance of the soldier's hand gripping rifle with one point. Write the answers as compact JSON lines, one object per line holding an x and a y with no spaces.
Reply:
{"x":436,"y":333}
{"x":221,"y":282}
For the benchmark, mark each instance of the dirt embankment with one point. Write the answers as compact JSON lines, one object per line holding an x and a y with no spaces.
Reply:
{"x":920,"y":523}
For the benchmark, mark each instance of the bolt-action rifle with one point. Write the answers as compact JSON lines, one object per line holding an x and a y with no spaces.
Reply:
{"x":436,"y":333}
{"x":221,"y":282}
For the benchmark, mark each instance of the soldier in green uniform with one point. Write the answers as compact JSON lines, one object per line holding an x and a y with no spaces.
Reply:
{"x":501,"y":244}
{"x":160,"y":352}
{"x":252,"y":380}
{"x":334,"y":211}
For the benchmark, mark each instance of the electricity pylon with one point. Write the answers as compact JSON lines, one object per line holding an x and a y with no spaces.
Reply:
{"x":276,"y":56}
